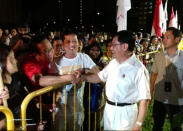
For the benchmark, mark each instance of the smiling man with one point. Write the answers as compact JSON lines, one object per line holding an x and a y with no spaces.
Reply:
{"x":66,"y":64}
{"x":127,"y":83}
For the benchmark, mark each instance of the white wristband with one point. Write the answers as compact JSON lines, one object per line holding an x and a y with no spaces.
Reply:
{"x":139,"y":123}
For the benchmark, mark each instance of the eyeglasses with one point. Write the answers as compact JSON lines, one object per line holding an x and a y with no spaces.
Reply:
{"x":115,"y":44}
{"x":47,"y":51}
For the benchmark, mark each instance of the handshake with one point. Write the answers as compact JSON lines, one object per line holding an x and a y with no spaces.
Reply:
{"x":78,"y":76}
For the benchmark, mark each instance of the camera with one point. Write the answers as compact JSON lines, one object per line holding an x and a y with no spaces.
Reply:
{"x":168,"y":86}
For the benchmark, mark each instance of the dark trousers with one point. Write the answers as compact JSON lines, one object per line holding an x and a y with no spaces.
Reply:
{"x":160,"y":110}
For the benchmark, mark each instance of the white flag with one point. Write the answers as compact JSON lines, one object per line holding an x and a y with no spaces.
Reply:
{"x":165,"y":18}
{"x":176,"y":19}
{"x":123,"y":7}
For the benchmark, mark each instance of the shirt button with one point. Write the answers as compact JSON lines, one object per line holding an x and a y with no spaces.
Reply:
{"x":123,"y":75}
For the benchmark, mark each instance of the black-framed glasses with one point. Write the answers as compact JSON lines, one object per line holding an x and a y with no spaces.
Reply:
{"x":115,"y":44}
{"x":47,"y":51}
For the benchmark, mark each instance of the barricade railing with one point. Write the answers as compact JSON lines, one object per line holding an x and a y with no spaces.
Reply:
{"x":9,"y":117}
{"x":148,"y":53}
{"x":32,"y":95}
{"x":48,"y":89}
{"x":142,"y":55}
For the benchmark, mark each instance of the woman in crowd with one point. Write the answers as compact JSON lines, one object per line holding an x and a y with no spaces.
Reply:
{"x":96,"y":90}
{"x":12,"y":82}
{"x":95,"y":52}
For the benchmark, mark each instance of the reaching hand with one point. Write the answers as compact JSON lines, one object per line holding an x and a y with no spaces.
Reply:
{"x":4,"y":94}
{"x":76,"y":77}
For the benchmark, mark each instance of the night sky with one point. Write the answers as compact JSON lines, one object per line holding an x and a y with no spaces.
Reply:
{"x":61,"y":13}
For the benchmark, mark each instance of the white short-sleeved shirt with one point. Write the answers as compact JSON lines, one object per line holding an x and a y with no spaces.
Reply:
{"x":62,"y":66}
{"x":127,"y":82}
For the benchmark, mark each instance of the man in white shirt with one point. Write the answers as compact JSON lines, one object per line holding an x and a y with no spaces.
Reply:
{"x":127,"y":82}
{"x":66,"y":64}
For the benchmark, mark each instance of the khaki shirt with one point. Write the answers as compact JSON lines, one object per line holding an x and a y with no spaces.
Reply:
{"x":169,"y":70}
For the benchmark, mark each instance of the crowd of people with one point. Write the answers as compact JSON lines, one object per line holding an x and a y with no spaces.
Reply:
{"x":113,"y":68}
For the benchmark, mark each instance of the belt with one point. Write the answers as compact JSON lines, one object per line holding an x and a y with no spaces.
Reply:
{"x":118,"y":104}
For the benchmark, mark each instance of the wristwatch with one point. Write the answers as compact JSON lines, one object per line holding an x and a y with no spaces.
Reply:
{"x":139,"y":123}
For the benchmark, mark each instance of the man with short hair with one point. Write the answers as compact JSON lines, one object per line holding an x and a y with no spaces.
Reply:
{"x":167,"y":80}
{"x":127,"y":83}
{"x":66,"y":64}
{"x":36,"y":65}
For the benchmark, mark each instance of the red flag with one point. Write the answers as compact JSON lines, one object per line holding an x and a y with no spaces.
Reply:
{"x":173,"y":21}
{"x":158,"y":19}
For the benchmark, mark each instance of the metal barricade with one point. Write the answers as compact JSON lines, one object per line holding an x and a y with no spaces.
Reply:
{"x":32,"y":95}
{"x":42,"y":91}
{"x":9,"y":117}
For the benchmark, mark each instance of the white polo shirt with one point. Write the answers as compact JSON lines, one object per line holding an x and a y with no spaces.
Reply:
{"x":127,"y":82}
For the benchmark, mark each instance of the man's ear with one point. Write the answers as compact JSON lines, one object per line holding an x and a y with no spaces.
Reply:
{"x":177,"y":39}
{"x":125,"y":46}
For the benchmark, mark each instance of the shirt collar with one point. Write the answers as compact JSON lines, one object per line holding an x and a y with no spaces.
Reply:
{"x":176,"y":54}
{"x":130,"y":60}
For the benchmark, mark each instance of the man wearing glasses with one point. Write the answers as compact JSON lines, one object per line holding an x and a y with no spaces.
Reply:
{"x":36,"y":65}
{"x":127,"y":83}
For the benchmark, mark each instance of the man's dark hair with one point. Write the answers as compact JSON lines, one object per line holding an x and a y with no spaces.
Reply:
{"x":143,"y":40}
{"x":35,"y":41}
{"x":139,"y":34}
{"x":68,"y":32}
{"x":152,"y":37}
{"x":126,"y":37}
{"x":176,"y":32}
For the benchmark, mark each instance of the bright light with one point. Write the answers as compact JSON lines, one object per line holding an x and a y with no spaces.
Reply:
{"x":68,"y":19}
{"x":98,"y":13}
